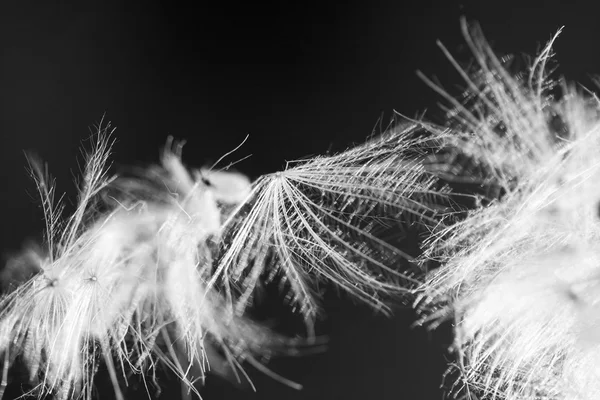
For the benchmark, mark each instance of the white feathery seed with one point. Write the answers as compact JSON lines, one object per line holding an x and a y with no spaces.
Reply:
{"x":159,"y":266}
{"x":520,"y":274}
{"x":319,"y":219}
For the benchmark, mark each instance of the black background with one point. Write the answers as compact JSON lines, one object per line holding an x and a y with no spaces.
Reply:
{"x":299,"y":77}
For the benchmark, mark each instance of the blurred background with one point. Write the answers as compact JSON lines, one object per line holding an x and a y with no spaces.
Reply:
{"x":300,"y":78}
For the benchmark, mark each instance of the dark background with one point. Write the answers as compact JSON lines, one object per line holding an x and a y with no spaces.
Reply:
{"x":301,"y":78}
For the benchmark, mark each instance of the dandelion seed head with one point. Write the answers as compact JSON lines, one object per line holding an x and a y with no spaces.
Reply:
{"x":158,"y":264}
{"x":519,"y":274}
{"x":142,"y":284}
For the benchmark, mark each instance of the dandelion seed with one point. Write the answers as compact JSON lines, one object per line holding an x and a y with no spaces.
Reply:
{"x":316,"y":220}
{"x":159,"y":265}
{"x":519,"y":275}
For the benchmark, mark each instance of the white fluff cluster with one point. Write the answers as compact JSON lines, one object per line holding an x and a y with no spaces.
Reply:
{"x":160,"y":266}
{"x":156,"y":266}
{"x":520,"y":274}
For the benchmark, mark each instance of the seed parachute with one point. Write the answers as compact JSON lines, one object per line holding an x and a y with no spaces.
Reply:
{"x":161,"y":266}
{"x":519,"y":275}
{"x":158,"y":266}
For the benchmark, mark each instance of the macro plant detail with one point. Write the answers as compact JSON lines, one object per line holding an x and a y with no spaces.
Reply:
{"x":159,"y":265}
{"x":518,"y":276}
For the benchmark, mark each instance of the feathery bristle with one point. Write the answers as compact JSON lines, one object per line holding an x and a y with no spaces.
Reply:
{"x":319,"y":219}
{"x":519,"y":274}
{"x":158,"y":265}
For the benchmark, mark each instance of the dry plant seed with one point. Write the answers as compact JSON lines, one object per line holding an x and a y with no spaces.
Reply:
{"x":520,"y":274}
{"x":159,"y":266}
